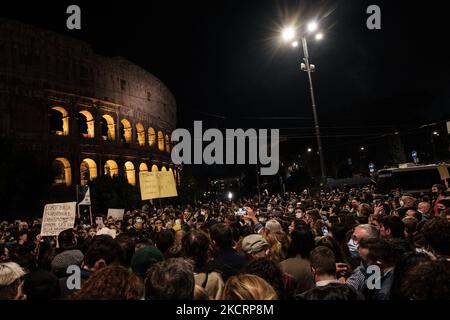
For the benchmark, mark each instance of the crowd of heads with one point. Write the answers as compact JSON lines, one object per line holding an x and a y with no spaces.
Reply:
{"x":323,"y":246}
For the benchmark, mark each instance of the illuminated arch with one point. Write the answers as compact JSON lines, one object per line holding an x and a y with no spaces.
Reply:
{"x":130,"y":173}
{"x":86,"y":124}
{"x":151,"y":136}
{"x":155,"y":168}
{"x":63,"y":172}
{"x":167,"y":143}
{"x":88,"y":171}
{"x":125,"y":131}
{"x":160,"y":141}
{"x":59,"y":121}
{"x":143,"y":167}
{"x":163,"y":169}
{"x":108,"y":128}
{"x":111,"y":168}
{"x":140,"y":134}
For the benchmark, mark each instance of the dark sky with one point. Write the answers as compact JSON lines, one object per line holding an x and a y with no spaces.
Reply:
{"x":224,"y":63}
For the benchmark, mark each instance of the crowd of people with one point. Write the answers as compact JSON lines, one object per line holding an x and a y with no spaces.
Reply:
{"x":334,"y":245}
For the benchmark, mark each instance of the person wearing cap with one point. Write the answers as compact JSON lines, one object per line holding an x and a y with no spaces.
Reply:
{"x":11,"y":282}
{"x":255,"y":246}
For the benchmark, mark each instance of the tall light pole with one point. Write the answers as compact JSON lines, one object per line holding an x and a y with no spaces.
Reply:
{"x":289,"y":35}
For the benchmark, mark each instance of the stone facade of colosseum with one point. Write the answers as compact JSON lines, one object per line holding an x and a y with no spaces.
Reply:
{"x":85,"y":114}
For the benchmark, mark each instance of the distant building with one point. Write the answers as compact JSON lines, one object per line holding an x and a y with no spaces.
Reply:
{"x":86,"y":114}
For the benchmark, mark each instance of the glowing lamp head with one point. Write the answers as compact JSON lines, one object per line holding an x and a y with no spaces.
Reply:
{"x":312,"y":26}
{"x":288,"y":34}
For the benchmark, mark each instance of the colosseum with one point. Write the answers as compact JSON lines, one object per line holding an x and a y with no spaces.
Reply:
{"x":85,"y":114}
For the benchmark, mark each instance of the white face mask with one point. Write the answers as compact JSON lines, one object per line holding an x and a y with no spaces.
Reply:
{"x":353,"y":248}
{"x":290,"y":210}
{"x":402,"y":203}
{"x":298,"y":215}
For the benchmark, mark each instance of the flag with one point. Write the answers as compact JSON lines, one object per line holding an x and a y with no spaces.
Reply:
{"x":87,"y":198}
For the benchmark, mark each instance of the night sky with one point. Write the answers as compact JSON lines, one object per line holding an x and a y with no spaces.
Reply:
{"x":225,"y":65}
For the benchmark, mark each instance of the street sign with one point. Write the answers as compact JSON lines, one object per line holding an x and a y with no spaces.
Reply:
{"x":414,"y":154}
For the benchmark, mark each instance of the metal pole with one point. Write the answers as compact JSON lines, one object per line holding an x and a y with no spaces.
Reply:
{"x":258,"y":183}
{"x":313,"y":103}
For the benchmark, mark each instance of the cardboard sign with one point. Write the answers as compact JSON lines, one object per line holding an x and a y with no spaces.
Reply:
{"x":116,"y":214}
{"x":58,"y":217}
{"x":443,"y":171}
{"x":157,"y":185}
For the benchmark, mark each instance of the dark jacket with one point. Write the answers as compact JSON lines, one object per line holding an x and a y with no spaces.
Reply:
{"x":228,"y":262}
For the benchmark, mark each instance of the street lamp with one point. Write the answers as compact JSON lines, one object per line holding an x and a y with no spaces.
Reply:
{"x":289,"y":35}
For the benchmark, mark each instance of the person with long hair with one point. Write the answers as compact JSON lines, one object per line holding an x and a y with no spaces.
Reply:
{"x":248,"y":287}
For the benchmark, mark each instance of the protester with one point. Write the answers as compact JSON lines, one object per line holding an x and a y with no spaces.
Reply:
{"x":226,"y":259}
{"x":11,"y":281}
{"x":196,"y":246}
{"x":323,"y":245}
{"x":111,"y":283}
{"x":302,"y":242}
{"x":248,"y":287}
{"x":171,"y":279}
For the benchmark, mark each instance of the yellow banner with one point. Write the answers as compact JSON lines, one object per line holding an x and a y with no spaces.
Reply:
{"x":156,"y":185}
{"x":443,"y":171}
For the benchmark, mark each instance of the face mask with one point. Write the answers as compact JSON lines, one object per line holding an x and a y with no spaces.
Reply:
{"x":435,"y":194}
{"x":402,"y":203}
{"x":269,"y":208}
{"x":290,"y":210}
{"x":353,"y":248}
{"x":298,"y":215}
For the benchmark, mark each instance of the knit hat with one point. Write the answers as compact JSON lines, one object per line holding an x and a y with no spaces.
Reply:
{"x":62,"y":261}
{"x":254,"y":243}
{"x":144,"y":258}
{"x":273,"y":226}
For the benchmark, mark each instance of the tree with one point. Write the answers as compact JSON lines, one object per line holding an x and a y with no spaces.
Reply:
{"x":112,"y":192}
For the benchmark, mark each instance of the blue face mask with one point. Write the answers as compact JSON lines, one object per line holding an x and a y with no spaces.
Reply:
{"x":353,"y":248}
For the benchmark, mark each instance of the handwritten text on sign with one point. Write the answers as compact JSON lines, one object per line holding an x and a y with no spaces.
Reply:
{"x":58,"y":217}
{"x":157,"y":185}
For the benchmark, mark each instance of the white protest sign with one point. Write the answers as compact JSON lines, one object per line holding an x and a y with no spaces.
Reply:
{"x":116,"y":214}
{"x":58,"y":217}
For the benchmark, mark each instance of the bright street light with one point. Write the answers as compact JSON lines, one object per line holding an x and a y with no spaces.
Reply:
{"x":362,"y":148}
{"x":288,"y":34}
{"x":312,"y":26}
